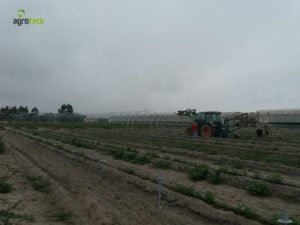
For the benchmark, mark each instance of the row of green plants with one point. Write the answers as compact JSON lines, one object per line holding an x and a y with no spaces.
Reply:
{"x":131,"y":155}
{"x":7,"y":215}
{"x":203,"y":172}
{"x":273,"y":178}
{"x":5,"y":187}
{"x":45,"y":141}
{"x":254,"y":155}
{"x":38,"y":183}
{"x":70,"y":125}
{"x":126,"y":154}
{"x":241,"y":209}
{"x":209,"y":198}
{"x":213,"y":176}
{"x":199,"y":172}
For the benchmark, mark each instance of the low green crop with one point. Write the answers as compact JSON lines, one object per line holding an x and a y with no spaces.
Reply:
{"x":130,"y":170}
{"x":245,"y":211}
{"x":274,"y":178}
{"x":258,"y":188}
{"x":63,"y":216}
{"x":117,"y":153}
{"x":188,"y":191}
{"x":4,"y":186}
{"x":5,"y":216}
{"x":209,"y":197}
{"x":129,"y":156}
{"x":39,"y":183}
{"x":144,"y":159}
{"x":198,"y":173}
{"x":214,"y":177}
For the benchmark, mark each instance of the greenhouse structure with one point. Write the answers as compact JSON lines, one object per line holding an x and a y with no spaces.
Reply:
{"x":281,"y":116}
{"x":143,"y":117}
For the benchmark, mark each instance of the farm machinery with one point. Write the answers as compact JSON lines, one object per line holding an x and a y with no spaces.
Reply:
{"x":210,"y":124}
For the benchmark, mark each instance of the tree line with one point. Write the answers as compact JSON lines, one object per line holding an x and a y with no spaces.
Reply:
{"x":14,"y":110}
{"x":17,"y":110}
{"x":21,"y":113}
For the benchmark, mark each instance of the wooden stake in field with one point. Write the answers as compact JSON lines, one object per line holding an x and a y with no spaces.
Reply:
{"x":284,"y":218}
{"x":102,"y":168}
{"x":159,"y":179}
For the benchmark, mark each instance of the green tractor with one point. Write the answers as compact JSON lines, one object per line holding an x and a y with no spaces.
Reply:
{"x":210,"y":124}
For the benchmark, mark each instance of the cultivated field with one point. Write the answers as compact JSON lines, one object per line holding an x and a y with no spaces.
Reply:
{"x":65,"y":174}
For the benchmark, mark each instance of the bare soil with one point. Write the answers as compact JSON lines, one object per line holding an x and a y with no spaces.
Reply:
{"x":78,"y":187}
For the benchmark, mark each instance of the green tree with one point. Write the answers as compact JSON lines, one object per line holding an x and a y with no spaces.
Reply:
{"x":62,"y":109}
{"x":69,"y":108}
{"x":66,"y":108}
{"x":13,"y":110}
{"x":20,"y":109}
{"x":35,"y":110}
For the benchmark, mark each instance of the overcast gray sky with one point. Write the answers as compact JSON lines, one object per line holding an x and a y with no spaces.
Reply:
{"x":163,"y":55}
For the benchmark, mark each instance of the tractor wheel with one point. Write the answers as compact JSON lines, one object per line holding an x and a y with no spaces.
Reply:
{"x":206,"y":130}
{"x":259,"y":132}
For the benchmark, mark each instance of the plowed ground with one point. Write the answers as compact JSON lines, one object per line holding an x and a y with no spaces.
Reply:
{"x":90,"y":184}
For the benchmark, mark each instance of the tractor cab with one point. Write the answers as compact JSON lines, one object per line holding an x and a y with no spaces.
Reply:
{"x":209,"y":117}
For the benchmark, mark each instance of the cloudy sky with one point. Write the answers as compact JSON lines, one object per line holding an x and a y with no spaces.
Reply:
{"x":161,"y":55}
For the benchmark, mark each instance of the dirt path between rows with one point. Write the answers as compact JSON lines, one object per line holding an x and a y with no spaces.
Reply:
{"x":39,"y":208}
{"x":265,"y":207}
{"x":106,"y":202}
